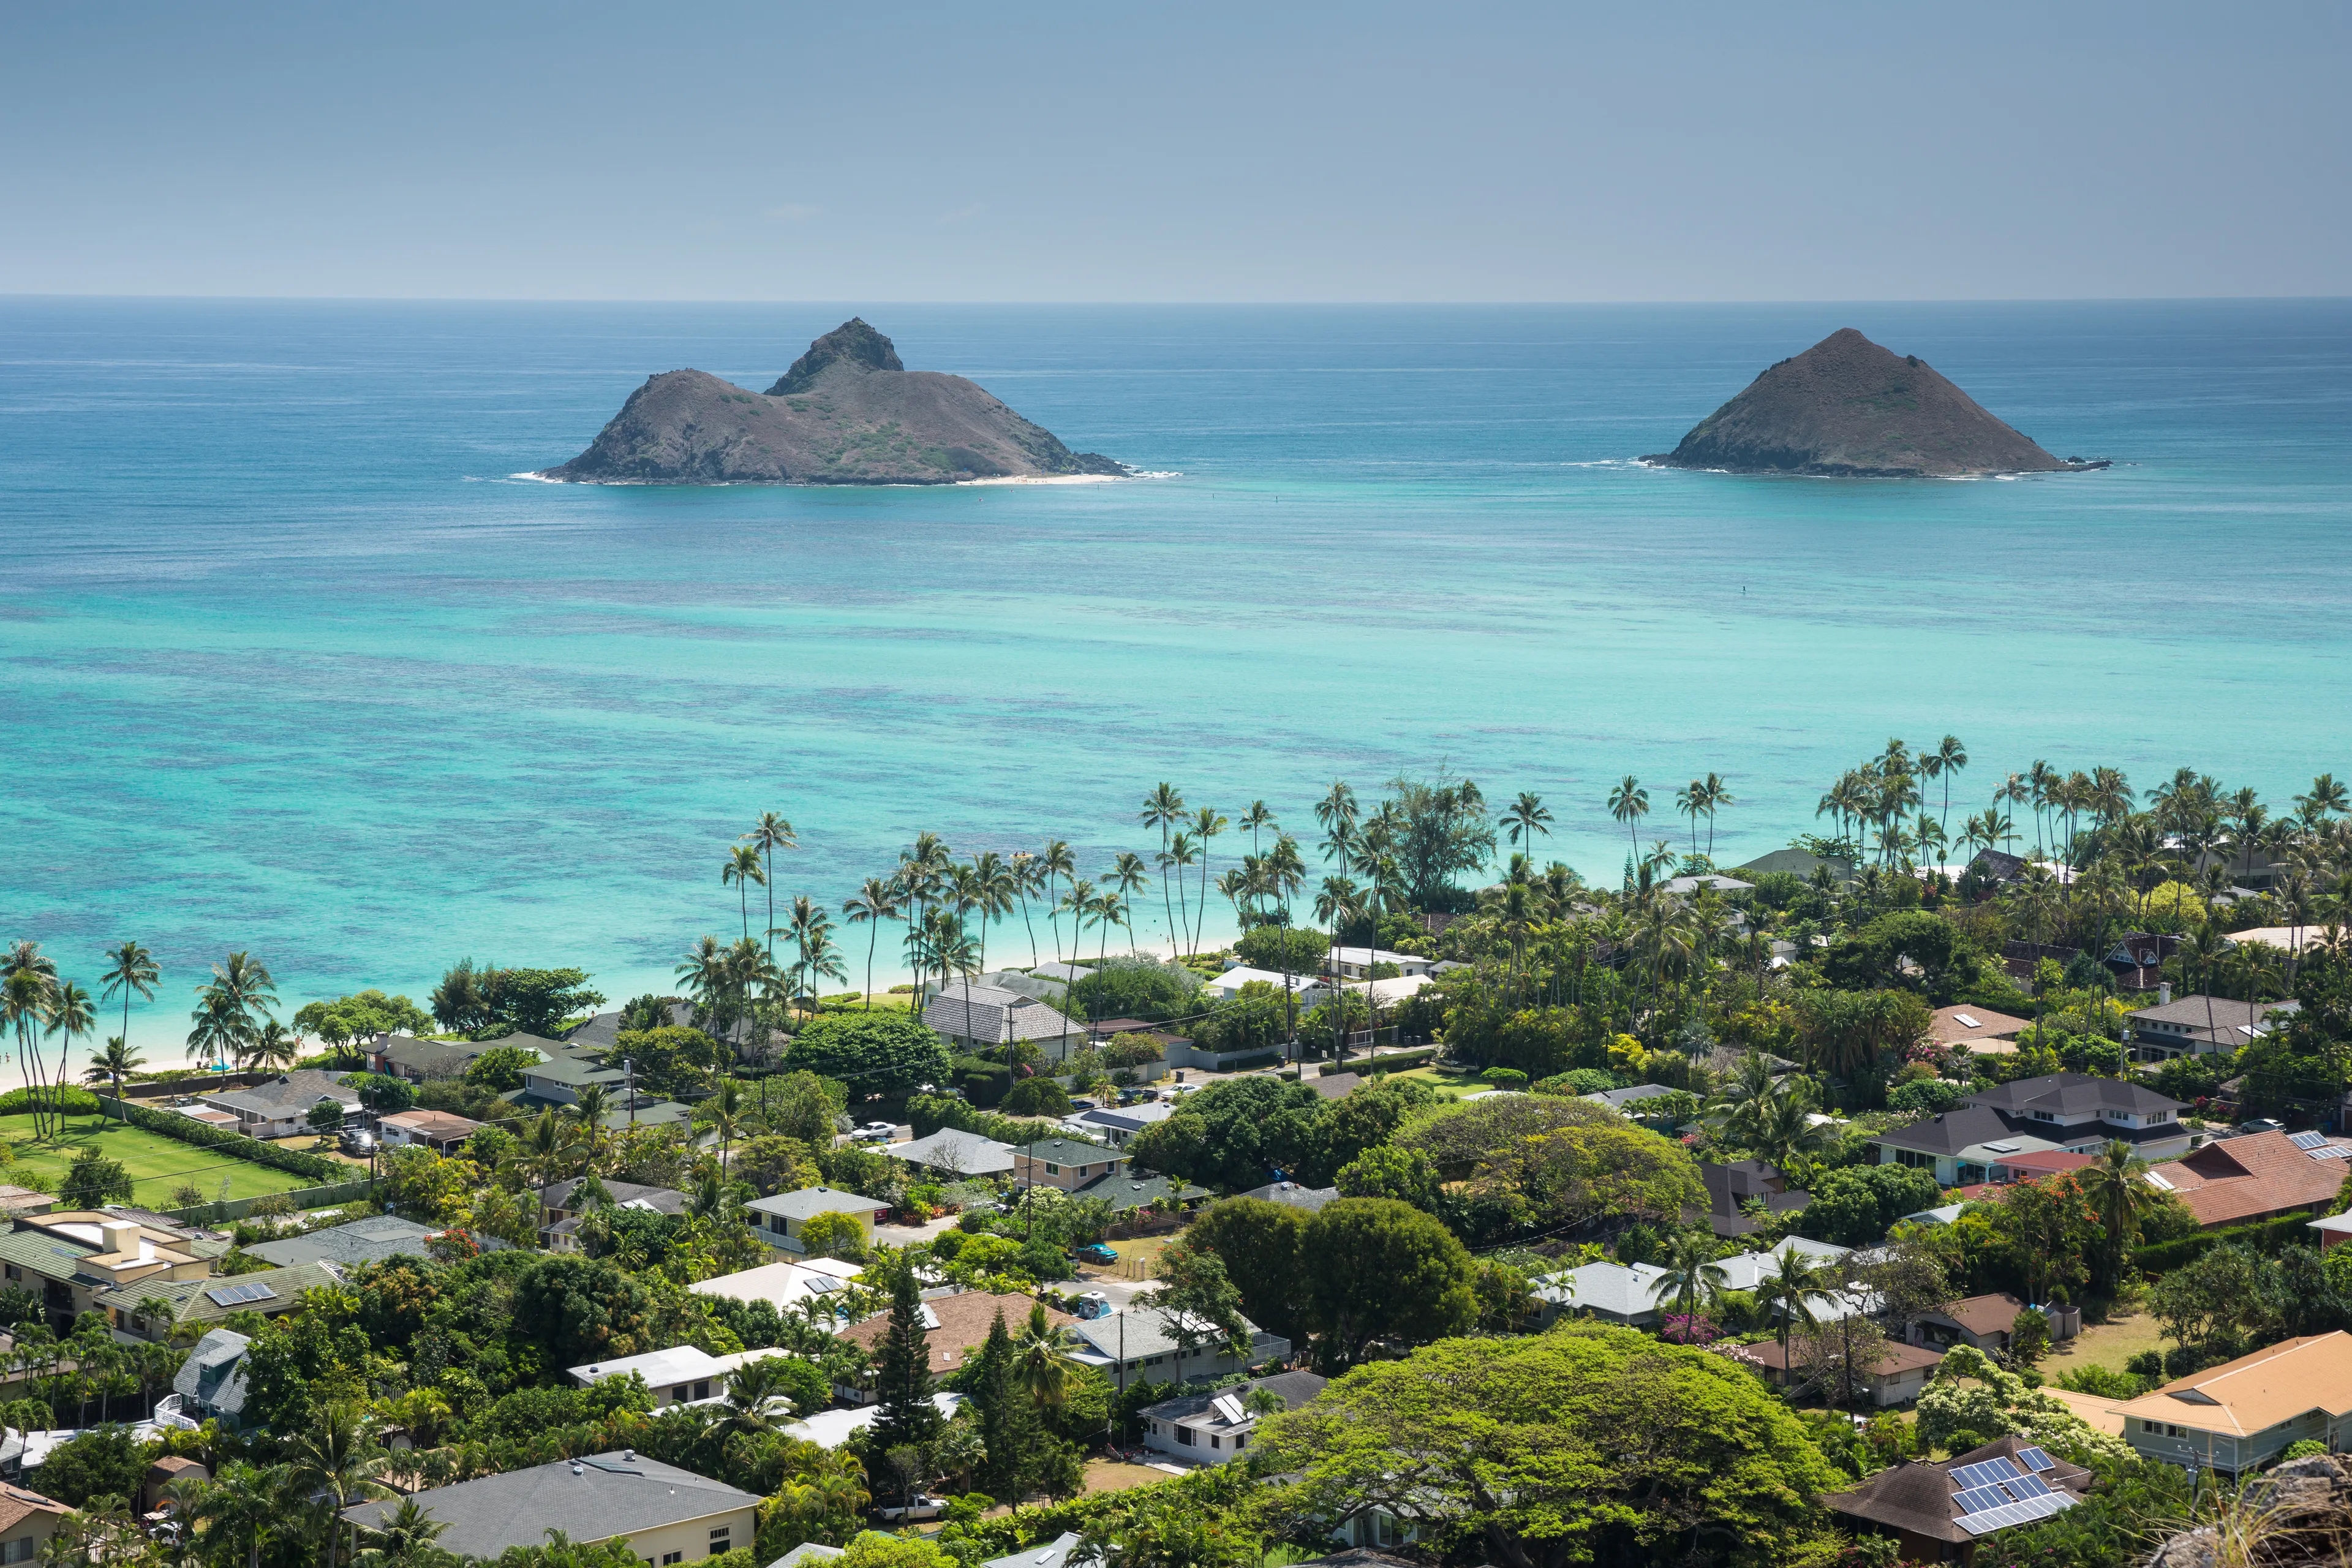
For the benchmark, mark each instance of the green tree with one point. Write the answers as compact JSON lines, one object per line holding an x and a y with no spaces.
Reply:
{"x":500,"y":1069}
{"x":2116,"y":1187}
{"x":1238,"y":1132}
{"x":1408,"y":1176}
{"x":1198,"y":1302}
{"x":1588,"y":1443}
{"x":337,"y":1461}
{"x":110,"y":1065}
{"x":889,"y":1054}
{"x":1690,"y":1278}
{"x":1261,"y":1246}
{"x":772,"y":1164}
{"x":902,"y":1373}
{"x":580,"y":1309}
{"x":1378,"y":1269}
{"x":93,"y":1179}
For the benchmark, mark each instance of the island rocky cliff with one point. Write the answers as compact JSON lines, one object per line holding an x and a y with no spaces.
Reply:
{"x":846,"y":413}
{"x":1848,"y":408}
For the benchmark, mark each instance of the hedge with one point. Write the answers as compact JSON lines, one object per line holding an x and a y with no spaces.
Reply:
{"x":2263,"y":1235}
{"x":1395,"y":1061}
{"x":73,"y":1101}
{"x":203,"y":1135}
{"x":984,"y":1082}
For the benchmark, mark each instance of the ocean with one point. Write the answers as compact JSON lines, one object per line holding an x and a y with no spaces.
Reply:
{"x":293,"y":664}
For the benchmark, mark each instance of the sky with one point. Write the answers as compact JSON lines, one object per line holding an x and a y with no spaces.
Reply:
{"x":1203,"y":151}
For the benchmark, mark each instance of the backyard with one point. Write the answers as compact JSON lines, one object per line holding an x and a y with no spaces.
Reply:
{"x":157,"y":1164}
{"x":1449,"y":1083}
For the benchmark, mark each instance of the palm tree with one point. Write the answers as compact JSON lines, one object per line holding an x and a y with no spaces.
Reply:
{"x":1128,"y":876}
{"x":1524,"y":817}
{"x":1057,"y":859}
{"x":1164,"y":808}
{"x":24,"y":1002}
{"x":338,"y":1462}
{"x":1792,"y":1286}
{"x":1691,"y":1275}
{"x":754,"y":1391}
{"x":1257,"y":818}
{"x":111,"y":1064}
{"x":993,"y":888}
{"x":880,"y":900}
{"x":768,"y":834}
{"x":274,"y":1046}
{"x":130,"y":970}
{"x":70,"y":1014}
{"x":2327,"y":795}
{"x":401,"y":1537}
{"x":1945,"y":763}
{"x":1718,"y":795}
{"x":743,"y":869}
{"x":1691,"y":801}
{"x":1206,"y":825}
{"x":1341,"y":903}
{"x":2117,"y":1188}
{"x":1028,"y":878}
{"x":247,"y":1502}
{"x":1044,"y":1358}
{"x":591,"y":1103}
{"x":1629,"y":802}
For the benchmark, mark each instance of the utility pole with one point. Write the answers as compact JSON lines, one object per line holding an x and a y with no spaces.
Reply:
{"x":629,"y":1086}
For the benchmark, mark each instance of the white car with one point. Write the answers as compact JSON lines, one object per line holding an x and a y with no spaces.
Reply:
{"x":875,"y":1132}
{"x":925,"y":1506}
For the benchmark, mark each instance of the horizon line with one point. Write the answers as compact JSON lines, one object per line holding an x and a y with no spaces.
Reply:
{"x":161,"y":298}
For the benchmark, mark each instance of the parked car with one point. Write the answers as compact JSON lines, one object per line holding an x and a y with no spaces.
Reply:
{"x":357,"y":1141}
{"x":1093,"y":1304}
{"x":875,"y":1132}
{"x":2260,"y":1124}
{"x":1094,"y":1252}
{"x":925,"y":1506}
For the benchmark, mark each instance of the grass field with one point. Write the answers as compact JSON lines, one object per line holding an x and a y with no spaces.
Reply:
{"x":1448,"y":1083}
{"x":2109,"y":1344}
{"x":157,"y":1163}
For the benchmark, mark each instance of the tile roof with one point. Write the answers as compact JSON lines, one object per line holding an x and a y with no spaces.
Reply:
{"x":1969,"y":1025}
{"x":951,"y":1148}
{"x":1894,"y":1358}
{"x":286,"y":1093}
{"x":370,"y":1240}
{"x":2257,"y":1390}
{"x":1293,"y":1388}
{"x":1921,"y":1496}
{"x":964,"y":1319}
{"x":558,"y":1194}
{"x":2073,"y":1094}
{"x":1981,"y":1315}
{"x":592,"y":1498}
{"x":2258,"y":1173}
{"x":17,"y":1505}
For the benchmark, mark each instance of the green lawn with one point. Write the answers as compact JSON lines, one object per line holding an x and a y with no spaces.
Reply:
{"x":1448,"y":1083}
{"x":156,"y":1162}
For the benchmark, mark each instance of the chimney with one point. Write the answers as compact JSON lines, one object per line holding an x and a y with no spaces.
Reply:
{"x":2164,"y":992}
{"x":146,"y":1250}
{"x":117,"y":1235}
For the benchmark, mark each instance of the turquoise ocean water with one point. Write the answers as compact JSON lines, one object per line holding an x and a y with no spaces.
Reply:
{"x":289,"y":662}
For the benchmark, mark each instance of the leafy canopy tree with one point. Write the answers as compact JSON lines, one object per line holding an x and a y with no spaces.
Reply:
{"x":1238,"y":1132}
{"x":1377,"y":1269}
{"x":581,"y":1309}
{"x":1459,"y":1138}
{"x":670,"y":1059}
{"x":501,"y":1070}
{"x":887,"y":1053}
{"x":93,"y":1178}
{"x":1854,"y":1206}
{"x":1586,"y":1444}
{"x":1261,"y":1246}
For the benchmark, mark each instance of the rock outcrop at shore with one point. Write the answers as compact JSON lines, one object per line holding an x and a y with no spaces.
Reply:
{"x":1848,"y":408}
{"x":846,"y":413}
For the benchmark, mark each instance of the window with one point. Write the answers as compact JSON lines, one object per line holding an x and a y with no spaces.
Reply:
{"x":670,"y":1557}
{"x":1215,"y":1441}
{"x":679,"y":1393}
{"x":1052,"y":1169}
{"x":1184,"y":1436}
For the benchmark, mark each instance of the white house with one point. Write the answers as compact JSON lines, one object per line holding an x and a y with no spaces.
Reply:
{"x":1306,"y":988}
{"x":1208,"y":1428}
{"x":1358,"y":963}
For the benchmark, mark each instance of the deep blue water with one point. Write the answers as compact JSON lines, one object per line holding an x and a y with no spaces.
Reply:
{"x":292,"y":663}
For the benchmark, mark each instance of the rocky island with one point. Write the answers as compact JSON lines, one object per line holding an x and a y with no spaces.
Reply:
{"x":846,"y":413}
{"x":1848,"y":408}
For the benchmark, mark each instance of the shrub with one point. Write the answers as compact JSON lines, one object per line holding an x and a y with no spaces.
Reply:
{"x":1269,"y":946}
{"x":1504,"y":1077}
{"x":71,"y":1100}
{"x":1578,"y":1081}
{"x":1037,"y":1097}
{"x":1136,"y":988}
{"x":1929,"y":1096}
{"x":2305,"y":1449}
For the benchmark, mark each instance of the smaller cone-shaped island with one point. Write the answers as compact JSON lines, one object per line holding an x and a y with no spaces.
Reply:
{"x":1848,"y":408}
{"x":846,"y":413}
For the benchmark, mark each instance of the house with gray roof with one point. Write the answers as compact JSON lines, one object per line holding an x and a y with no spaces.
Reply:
{"x":351,"y":1244}
{"x":280,"y":1107}
{"x":1613,"y":1292}
{"x":780,"y":1219}
{"x":665,"y":1514}
{"x":1215,"y":1425}
{"x":1958,"y":1147}
{"x":1290,"y":1194}
{"x":2200,"y":1024}
{"x":1063,"y":1551}
{"x":951,"y":1151}
{"x":603,"y":1031}
{"x":992,"y":1019}
{"x":210,"y":1385}
{"x":420,"y":1061}
{"x":196,"y":1304}
{"x":2068,"y":1111}
{"x":1135,"y":1342}
{"x":1116,"y":1124}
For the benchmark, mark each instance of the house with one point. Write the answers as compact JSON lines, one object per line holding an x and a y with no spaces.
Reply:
{"x":1997,"y":867}
{"x":69,"y":1259}
{"x":2259,"y":1175}
{"x":1290,"y":1194}
{"x":1062,"y":1551}
{"x":1392,"y":992}
{"x":1613,"y":1292}
{"x":1937,"y":1509}
{"x":1213,"y":1426}
{"x":2023,"y":1166}
{"x":2072,"y":1111}
{"x":954,"y":1326}
{"x":781,"y":1219}
{"x":684,"y":1374}
{"x":2245,"y":1412}
{"x":1980,"y":1029}
{"x":195,"y":1305}
{"x":420,"y":1061}
{"x":1894,"y":1376}
{"x":601,"y":1032}
{"x":783,"y":1285}
{"x":29,"y":1521}
{"x":1304,"y":989}
{"x":162,"y":1473}
{"x":210,"y":1385}
{"x":280,"y":1107}
{"x":1799,"y":863}
{"x":954,"y":1153}
{"x":665,"y":1514}
{"x":1358,"y":963}
{"x":1684,"y":887}
{"x":832,"y":1428}
{"x":439,"y":1130}
{"x":1128,"y":1194}
{"x":1984,"y":1322}
{"x":1745,"y":1271}
{"x":15,"y":1201}
{"x":1136,"y":1342}
{"x":559,"y":1082}
{"x":1628,"y":1102}
{"x":2136,"y":961}
{"x":1114,"y":1125}
{"x":1731,"y":1188}
{"x":351,"y":1244}
{"x":555,"y":1199}
{"x":2021,"y":958}
{"x":985,"y":1018}
{"x":2331,"y":1229}
{"x":1068,"y":1163}
{"x":2198,"y":1025}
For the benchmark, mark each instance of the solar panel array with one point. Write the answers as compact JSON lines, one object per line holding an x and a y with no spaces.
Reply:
{"x":2308,"y":1140}
{"x":1995,"y":1493}
{"x":1987,"y":1473}
{"x":1980,"y":1499}
{"x":237,"y":1295}
{"x":2024,"y":1513}
{"x":2035,"y":1460}
{"x":2333,"y":1151}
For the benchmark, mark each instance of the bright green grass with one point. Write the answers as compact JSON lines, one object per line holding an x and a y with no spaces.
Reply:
{"x":1448,"y":1083}
{"x":157,"y":1163}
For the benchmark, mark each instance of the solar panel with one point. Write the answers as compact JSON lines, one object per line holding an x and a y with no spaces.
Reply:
{"x":1229,"y":1407}
{"x":2035,"y":1460}
{"x":2027,"y":1487}
{"x":235,"y":1295}
{"x":1982,"y":1500}
{"x":1985,"y":1473}
{"x":2308,"y":1140}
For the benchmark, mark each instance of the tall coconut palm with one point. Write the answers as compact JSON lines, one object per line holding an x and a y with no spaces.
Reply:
{"x":1944,"y":763}
{"x":1182,"y":853}
{"x":2116,"y":1187}
{"x":1027,"y":878}
{"x":994,"y":887}
{"x":743,"y":869}
{"x":1341,"y":903}
{"x":1164,"y":808}
{"x":23,"y":1004}
{"x":1207,"y":826}
{"x":69,"y":1014}
{"x":1629,"y":802}
{"x":1691,"y":801}
{"x":1128,"y":874}
{"x":1257,"y":818}
{"x":248,"y":1504}
{"x":816,"y":957}
{"x":1057,"y":859}
{"x":704,"y":972}
{"x":130,"y":969}
{"x":1718,"y":795}
{"x":111,"y":1065}
{"x":1044,"y":1359}
{"x":1690,"y":1276}
{"x":274,"y":1046}
{"x":768,"y":834}
{"x":1524,"y":817}
{"x":878,"y":900}
{"x":590,"y":1104}
{"x":1790,"y":1288}
{"x":336,"y":1461}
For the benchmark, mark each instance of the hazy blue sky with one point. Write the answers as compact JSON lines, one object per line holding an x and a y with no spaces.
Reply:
{"x":1698,"y":151}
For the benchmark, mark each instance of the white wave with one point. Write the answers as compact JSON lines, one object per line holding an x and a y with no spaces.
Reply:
{"x":535,"y":478}
{"x":1046,"y":480}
